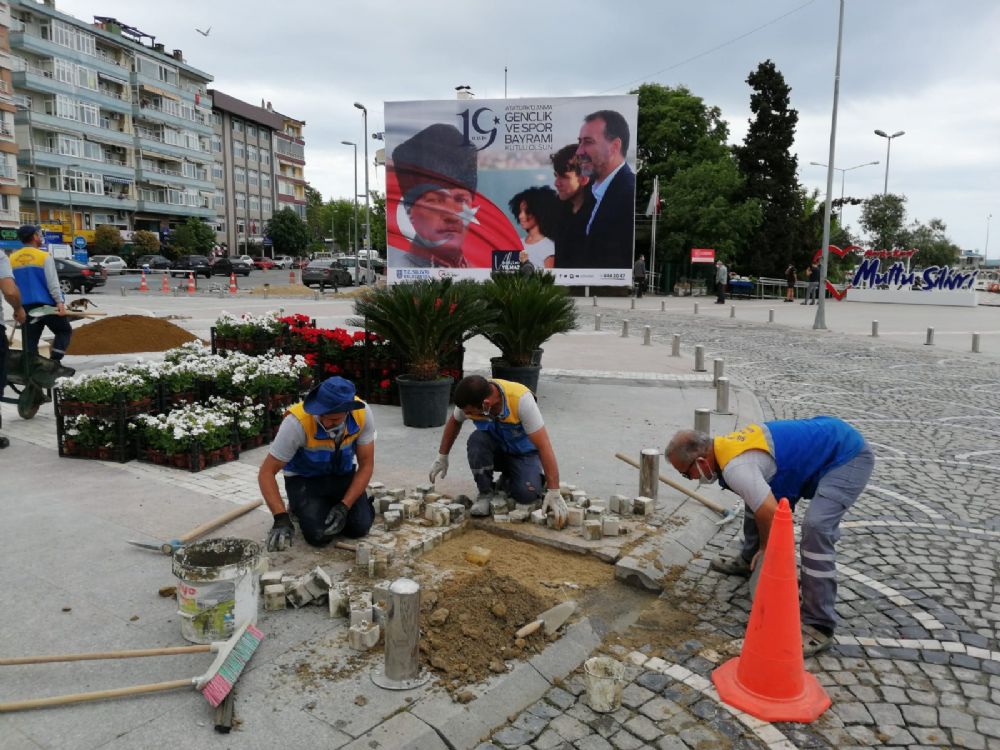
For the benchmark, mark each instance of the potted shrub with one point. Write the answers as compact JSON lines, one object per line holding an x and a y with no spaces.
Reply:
{"x":529,"y":311}
{"x":426,"y":322}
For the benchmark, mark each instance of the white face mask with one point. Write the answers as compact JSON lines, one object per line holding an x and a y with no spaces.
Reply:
{"x":704,"y":478}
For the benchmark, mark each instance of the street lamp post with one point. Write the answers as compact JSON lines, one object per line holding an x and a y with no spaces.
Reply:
{"x":986,"y":246}
{"x":354,"y":247}
{"x":888,"y":147}
{"x":34,"y":168}
{"x":69,"y":192}
{"x":368,"y":226}
{"x":842,"y":171}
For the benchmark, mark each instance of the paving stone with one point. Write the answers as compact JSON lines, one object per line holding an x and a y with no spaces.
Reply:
{"x":622,"y":740}
{"x":654,"y":681}
{"x":930,"y":736}
{"x":593,"y":742}
{"x":642,"y":727}
{"x":660,"y":709}
{"x":699,"y":737}
{"x":921,"y":716}
{"x":634,"y":695}
{"x":512,"y":737}
{"x":670,"y":742}
{"x":605,"y":725}
{"x":990,"y":727}
{"x":569,"y":729}
{"x":853,"y":713}
{"x":971,"y":740}
{"x":544,"y":710}
{"x":549,"y":740}
{"x":531,"y":723}
{"x":885,"y":714}
{"x":560,"y":698}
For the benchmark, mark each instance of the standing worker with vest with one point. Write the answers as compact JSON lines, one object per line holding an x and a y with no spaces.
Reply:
{"x":511,"y":438}
{"x":326,"y":447}
{"x":822,"y":458}
{"x":36,"y":277}
{"x":10,"y":293}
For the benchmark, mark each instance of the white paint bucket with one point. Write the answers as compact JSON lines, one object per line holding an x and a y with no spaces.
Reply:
{"x":605,"y":680}
{"x":216,"y":587}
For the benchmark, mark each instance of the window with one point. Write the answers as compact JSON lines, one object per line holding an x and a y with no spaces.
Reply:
{"x":251,"y":131}
{"x":252,"y":153}
{"x":241,"y":201}
{"x":83,"y":182}
{"x":265,"y":181}
{"x":240,"y":175}
{"x":217,"y":173}
{"x":217,"y":144}
{"x":237,"y":126}
{"x":252,"y":175}
{"x":265,"y":158}
{"x":156,"y":70}
{"x":239,"y":227}
{"x":265,"y":206}
{"x":86,"y":78}
{"x":73,"y":38}
{"x":238,"y":149}
{"x":217,"y":118}
{"x":217,"y":200}
{"x":254,"y":204}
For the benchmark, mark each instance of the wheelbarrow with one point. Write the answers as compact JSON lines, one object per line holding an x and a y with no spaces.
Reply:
{"x":32,"y":377}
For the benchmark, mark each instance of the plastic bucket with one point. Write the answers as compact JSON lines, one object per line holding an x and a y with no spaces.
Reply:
{"x":605,"y":680}
{"x":216,"y":587}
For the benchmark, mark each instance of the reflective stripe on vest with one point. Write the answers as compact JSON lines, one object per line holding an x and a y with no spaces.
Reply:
{"x":320,"y":456}
{"x":28,"y":265}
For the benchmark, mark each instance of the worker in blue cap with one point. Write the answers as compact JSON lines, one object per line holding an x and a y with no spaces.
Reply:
{"x":36,"y":277}
{"x":325,"y":447}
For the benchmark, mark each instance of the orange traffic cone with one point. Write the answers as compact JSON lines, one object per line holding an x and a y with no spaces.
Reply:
{"x":291,"y":277}
{"x":191,"y":286}
{"x":232,"y":283}
{"x":142,"y":284}
{"x":165,"y":286}
{"x":768,"y":679}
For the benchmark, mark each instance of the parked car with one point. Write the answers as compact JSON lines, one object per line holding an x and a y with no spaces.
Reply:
{"x":283,"y":261}
{"x":246,"y":259}
{"x":155,"y":262}
{"x":197,"y":263}
{"x":263,"y":264}
{"x":229,"y":266}
{"x":301,"y":263}
{"x":76,"y":277}
{"x":113,"y":264}
{"x":358,"y":268}
{"x":325,"y":273}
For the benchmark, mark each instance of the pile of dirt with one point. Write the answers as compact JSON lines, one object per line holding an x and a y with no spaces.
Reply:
{"x":127,"y":334}
{"x":468,"y":622}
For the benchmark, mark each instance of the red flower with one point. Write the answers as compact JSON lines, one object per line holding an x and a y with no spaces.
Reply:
{"x":437,"y":304}
{"x":451,"y":308}
{"x":310,"y":359}
{"x":332,"y":369}
{"x":384,"y":384}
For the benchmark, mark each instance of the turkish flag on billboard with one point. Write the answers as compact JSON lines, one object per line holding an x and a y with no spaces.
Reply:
{"x":702,"y":255}
{"x":487,"y":226}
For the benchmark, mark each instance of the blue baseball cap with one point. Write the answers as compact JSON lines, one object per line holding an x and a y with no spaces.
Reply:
{"x":27,"y":231}
{"x":332,"y":396}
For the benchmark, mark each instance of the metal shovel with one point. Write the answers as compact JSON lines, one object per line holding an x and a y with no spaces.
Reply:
{"x":552,"y":619}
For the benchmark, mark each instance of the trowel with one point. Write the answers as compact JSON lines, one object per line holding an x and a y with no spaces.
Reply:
{"x":552,"y":619}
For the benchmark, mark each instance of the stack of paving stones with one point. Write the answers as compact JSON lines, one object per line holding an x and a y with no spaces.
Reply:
{"x":916,"y":663}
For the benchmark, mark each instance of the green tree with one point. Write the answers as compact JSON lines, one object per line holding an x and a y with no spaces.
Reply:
{"x":769,"y":167}
{"x":932,"y":242}
{"x":883,"y":217}
{"x":107,"y":239}
{"x":194,"y":237}
{"x":289,"y":234}
{"x":145,"y":243}
{"x":377,"y":221}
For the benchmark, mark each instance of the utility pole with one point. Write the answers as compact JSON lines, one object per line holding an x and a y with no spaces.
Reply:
{"x":368,"y":196}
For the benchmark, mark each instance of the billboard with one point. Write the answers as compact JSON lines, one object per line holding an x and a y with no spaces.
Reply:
{"x":470,"y":184}
{"x":703,"y":255}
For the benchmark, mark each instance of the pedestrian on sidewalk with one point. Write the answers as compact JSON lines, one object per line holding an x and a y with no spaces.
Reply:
{"x":639,"y":275}
{"x":790,"y":280}
{"x":510,"y":438}
{"x":37,"y":279}
{"x":326,"y":448}
{"x":823,"y":459}
{"x":721,"y":279}
{"x":812,"y":288}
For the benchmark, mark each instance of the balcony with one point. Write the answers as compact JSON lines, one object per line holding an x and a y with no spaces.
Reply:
{"x":41,"y":80}
{"x":80,"y":200}
{"x":173,"y":178}
{"x":21,"y":39}
{"x":156,"y":144}
{"x":105,"y":132}
{"x":155,"y":207}
{"x":157,"y":114}
{"x":45,"y":156}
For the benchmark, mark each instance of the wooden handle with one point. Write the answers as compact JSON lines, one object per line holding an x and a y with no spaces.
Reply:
{"x":346,"y":546}
{"x":167,"y":651}
{"x":97,"y":695}
{"x":214,"y":524}
{"x":528,"y":629}
{"x":680,"y":488}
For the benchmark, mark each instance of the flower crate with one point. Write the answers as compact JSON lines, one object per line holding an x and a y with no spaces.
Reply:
{"x":194,"y":459}
{"x":83,"y":435}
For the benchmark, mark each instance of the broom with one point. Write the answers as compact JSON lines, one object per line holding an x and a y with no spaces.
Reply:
{"x":215,"y":684}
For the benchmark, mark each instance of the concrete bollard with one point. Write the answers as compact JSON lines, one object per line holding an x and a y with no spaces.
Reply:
{"x":316,"y":296}
{"x":722,"y":396}
{"x":930,"y":337}
{"x":732,"y":311}
{"x":595,"y":301}
{"x":675,"y":346}
{"x":717,"y":367}
{"x":122,"y":290}
{"x":632,"y":303}
{"x":770,"y":316}
{"x":402,"y":634}
{"x":699,"y":358}
{"x":647,"y":335}
{"x":703,"y":420}
{"x":597,"y":322}
{"x":975,"y":343}
{"x":695,"y":308}
{"x":649,"y":472}
{"x":663,"y":305}
{"x":624,"y":329}
{"x":874,"y":329}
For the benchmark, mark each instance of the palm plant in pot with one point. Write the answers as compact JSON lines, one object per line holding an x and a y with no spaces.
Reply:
{"x":529,"y":311}
{"x":426,"y":322}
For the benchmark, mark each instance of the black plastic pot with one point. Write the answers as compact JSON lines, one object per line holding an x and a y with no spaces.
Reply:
{"x":527,"y":376}
{"x":424,"y":402}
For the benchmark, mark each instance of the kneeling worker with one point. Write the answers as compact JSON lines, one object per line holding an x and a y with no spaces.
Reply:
{"x":316,"y":446}
{"x":822,"y":458}
{"x":511,"y":438}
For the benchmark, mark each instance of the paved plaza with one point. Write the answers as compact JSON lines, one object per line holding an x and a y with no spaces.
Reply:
{"x":917,"y":658}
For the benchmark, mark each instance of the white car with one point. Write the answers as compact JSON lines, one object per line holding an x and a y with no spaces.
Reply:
{"x":113,"y":264}
{"x":283,"y":261}
{"x":359,"y":269}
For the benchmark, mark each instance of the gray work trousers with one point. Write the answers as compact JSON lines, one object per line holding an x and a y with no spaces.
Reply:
{"x":836,"y":493}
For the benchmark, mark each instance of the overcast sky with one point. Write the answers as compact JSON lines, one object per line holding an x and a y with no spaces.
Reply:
{"x":927,"y":67}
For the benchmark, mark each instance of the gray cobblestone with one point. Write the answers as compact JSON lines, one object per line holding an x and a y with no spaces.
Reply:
{"x":930,"y":736}
{"x":560,"y":698}
{"x":642,"y":727}
{"x":634,"y":695}
{"x":885,"y":713}
{"x":659,"y":709}
{"x":569,"y":728}
{"x":853,"y":713}
{"x":593,"y":742}
{"x":622,"y":740}
{"x":511,"y":737}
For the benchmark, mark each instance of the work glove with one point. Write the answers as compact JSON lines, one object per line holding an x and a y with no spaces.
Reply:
{"x":440,"y":467}
{"x":335,"y":520}
{"x":554,"y":504}
{"x":280,"y":537}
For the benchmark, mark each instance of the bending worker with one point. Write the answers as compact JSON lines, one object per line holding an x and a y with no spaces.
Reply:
{"x":822,"y":458}
{"x":511,"y":438}
{"x":36,"y":277}
{"x":326,"y":448}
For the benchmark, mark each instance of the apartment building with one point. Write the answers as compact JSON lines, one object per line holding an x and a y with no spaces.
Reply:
{"x":9,"y":189}
{"x":289,"y":171}
{"x":112,"y":128}
{"x":243,"y":171}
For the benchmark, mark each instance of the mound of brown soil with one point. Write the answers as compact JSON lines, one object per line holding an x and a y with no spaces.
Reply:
{"x":127,"y":334}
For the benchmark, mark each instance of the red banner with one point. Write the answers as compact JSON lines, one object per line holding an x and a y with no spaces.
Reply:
{"x":702,"y":255}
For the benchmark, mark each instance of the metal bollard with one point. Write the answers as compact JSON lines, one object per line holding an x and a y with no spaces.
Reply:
{"x":663,"y":305}
{"x":595,"y":301}
{"x":647,"y":339}
{"x":732,"y":311}
{"x":874,"y":329}
{"x":699,"y":358}
{"x":122,"y":290}
{"x":930,"y":337}
{"x":402,"y":635}
{"x":597,"y":322}
{"x":722,"y":396}
{"x":675,"y":346}
{"x":649,"y":472}
{"x":717,"y":365}
{"x":316,"y":296}
{"x":975,"y":343}
{"x":624,"y":329}
{"x":770,"y":316}
{"x":703,"y":421}
{"x":695,"y":308}
{"x":632,"y":306}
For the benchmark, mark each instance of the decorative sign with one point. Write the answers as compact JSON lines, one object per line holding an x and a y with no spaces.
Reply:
{"x":80,"y":243}
{"x":702,"y":255}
